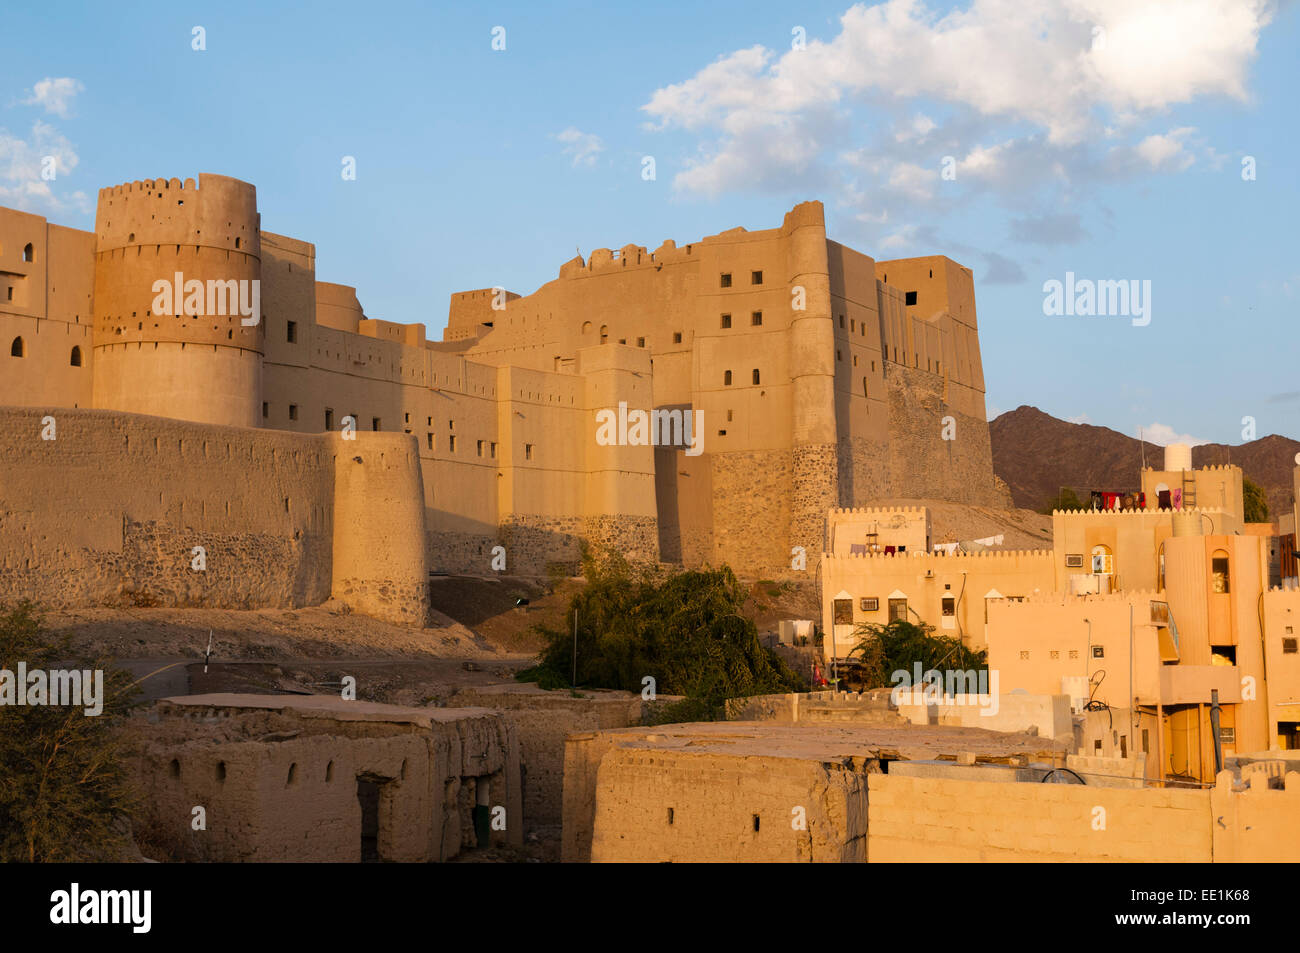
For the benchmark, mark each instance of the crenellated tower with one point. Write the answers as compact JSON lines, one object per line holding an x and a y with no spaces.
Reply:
{"x":189,"y":356}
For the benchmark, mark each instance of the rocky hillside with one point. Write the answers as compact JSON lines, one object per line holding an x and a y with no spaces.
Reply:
{"x":1037,"y":455}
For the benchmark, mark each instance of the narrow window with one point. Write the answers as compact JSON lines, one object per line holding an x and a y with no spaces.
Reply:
{"x":478,"y":449}
{"x":1219,"y":572}
{"x":76,"y":357}
{"x":17,"y":349}
{"x":725,"y":281}
{"x":293,"y":411}
{"x":374,"y":423}
{"x":293,"y":332}
{"x":494,"y":451}
{"x":726,"y":320}
{"x":756,"y":278}
{"x":756,"y":380}
{"x":429,"y":437}
{"x":841,"y":322}
{"x":329,"y":418}
{"x":266,"y":410}
{"x":528,"y":451}
{"x":677,"y":337}
{"x":28,"y":254}
{"x":640,"y":342}
{"x":451,"y":444}
{"x":604,"y":333}
{"x":726,"y":379}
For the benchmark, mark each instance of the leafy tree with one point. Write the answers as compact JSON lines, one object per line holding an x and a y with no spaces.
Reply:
{"x":683,"y":629}
{"x":1067,"y":499}
{"x":1254,"y":501}
{"x":63,"y":781}
{"x":898,"y":646}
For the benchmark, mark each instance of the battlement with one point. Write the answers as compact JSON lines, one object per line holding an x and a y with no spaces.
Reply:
{"x":1210,"y":510}
{"x":148,"y":186}
{"x":947,"y":559}
{"x":1209,"y":467}
{"x":873,"y":510}
{"x":1123,"y":596}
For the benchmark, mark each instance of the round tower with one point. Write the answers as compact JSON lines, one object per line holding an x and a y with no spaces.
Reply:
{"x":178,"y":324}
{"x":815,"y":433}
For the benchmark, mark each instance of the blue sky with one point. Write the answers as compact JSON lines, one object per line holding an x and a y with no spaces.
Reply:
{"x":1099,"y":137}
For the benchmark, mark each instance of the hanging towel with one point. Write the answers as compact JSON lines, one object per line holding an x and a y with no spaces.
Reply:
{"x":857,"y":549}
{"x":1098,"y":500}
{"x":1176,"y":498}
{"x":889,"y":550}
{"x":1165,"y":502}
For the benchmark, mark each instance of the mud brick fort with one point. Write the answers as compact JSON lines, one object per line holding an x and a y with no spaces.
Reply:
{"x":315,"y":451}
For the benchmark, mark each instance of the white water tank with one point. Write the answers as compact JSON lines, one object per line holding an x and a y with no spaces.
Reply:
{"x":1178,"y":456}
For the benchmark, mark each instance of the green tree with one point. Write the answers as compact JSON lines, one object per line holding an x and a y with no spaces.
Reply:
{"x":883,"y":650}
{"x":1254,"y":501}
{"x":64,"y":785}
{"x":1067,"y":499}
{"x":685,"y":630}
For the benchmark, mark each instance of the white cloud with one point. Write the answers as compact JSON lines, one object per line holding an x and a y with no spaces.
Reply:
{"x":583,"y":147}
{"x":54,"y":95}
{"x":1025,"y":97}
{"x":1079,"y":419}
{"x":1163,"y":435}
{"x":22,"y":162}
{"x":1166,"y":151}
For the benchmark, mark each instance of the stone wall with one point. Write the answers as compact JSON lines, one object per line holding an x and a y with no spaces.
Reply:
{"x":110,"y":510}
{"x":543,"y":720}
{"x":278,"y":778}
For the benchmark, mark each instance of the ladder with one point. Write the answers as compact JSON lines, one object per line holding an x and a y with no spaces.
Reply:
{"x":1189,"y":490}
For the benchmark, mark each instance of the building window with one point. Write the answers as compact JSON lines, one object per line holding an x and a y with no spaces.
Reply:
{"x":292,"y":332}
{"x":407,"y":419}
{"x":493,"y":450}
{"x":1288,"y":646}
{"x":726,"y":320}
{"x":528,"y":451}
{"x":726,"y":378}
{"x":329,"y":418}
{"x":677,"y":337}
{"x":28,"y":255}
{"x":870,"y":604}
{"x":17,"y":349}
{"x":841,"y":322}
{"x":374,"y":423}
{"x":640,"y":342}
{"x":842,"y":612}
{"x":1098,"y":651}
{"x":725,"y":281}
{"x":429,"y":440}
{"x":293,"y":411}
{"x":897,"y":610}
{"x":604,"y":333}
{"x":756,"y":278}
{"x":76,"y":357}
{"x":478,"y":447}
{"x":1103,"y":562}
{"x":1219,"y":572}
{"x":9,"y":294}
{"x":948,"y":605}
{"x":266,"y":410}
{"x":451,"y":444}
{"x":756,"y":380}
{"x":911,"y":298}
{"x":756,"y":319}
{"x":1024,"y":656}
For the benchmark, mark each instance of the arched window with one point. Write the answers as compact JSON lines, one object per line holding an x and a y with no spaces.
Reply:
{"x":604,"y":333}
{"x":27,"y":252}
{"x":17,"y":349}
{"x":756,"y":375}
{"x":586,"y":327}
{"x":726,"y":379}
{"x":1219,"y":581}
{"x":1103,"y":563}
{"x":76,"y":357}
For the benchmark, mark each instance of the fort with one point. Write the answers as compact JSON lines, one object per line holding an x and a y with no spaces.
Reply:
{"x":827,"y":379}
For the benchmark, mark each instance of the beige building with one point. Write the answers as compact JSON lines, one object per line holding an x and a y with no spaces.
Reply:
{"x":815,"y":376}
